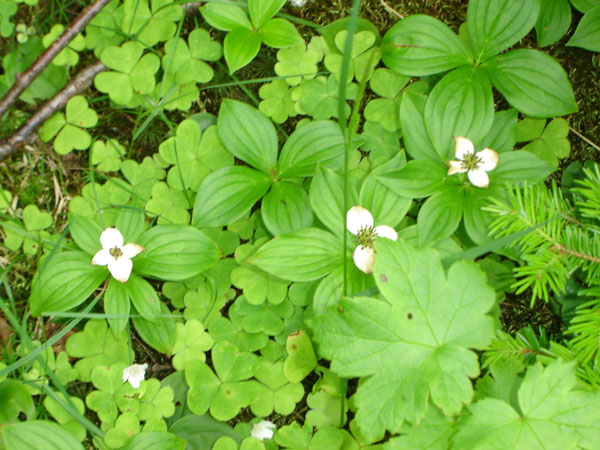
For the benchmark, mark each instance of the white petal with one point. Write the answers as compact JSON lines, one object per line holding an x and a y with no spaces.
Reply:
{"x":120,"y":268}
{"x":111,"y":238}
{"x":363,"y":258}
{"x":130,"y":250}
{"x":479,"y":178}
{"x":455,"y":167}
{"x":102,"y":258}
{"x":489,"y":159}
{"x":386,"y":232}
{"x":357,"y":218}
{"x":135,"y":374}
{"x":263,"y":430}
{"x":463,"y":147}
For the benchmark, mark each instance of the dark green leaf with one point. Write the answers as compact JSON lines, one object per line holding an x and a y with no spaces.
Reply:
{"x":440,"y":214}
{"x":587,"y":34}
{"x":418,"y":178}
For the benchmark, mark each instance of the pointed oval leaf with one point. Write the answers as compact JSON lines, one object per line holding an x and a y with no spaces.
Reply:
{"x":587,"y":34}
{"x":421,"y":45}
{"x":38,"y":434}
{"x":227,"y":194}
{"x":495,"y":25}
{"x":553,"y":22}
{"x":262,"y":10}
{"x":532,"y":82}
{"x":286,"y":208}
{"x":248,"y":135}
{"x":240,"y":47}
{"x":116,"y":305}
{"x":440,"y":214}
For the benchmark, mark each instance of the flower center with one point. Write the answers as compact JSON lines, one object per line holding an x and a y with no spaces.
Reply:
{"x":366,"y":237}
{"x":471,"y":162}
{"x":115,"y":252}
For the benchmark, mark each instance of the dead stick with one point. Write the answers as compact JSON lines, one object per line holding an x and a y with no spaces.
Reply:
{"x":25,"y":133}
{"x":26,"y":78}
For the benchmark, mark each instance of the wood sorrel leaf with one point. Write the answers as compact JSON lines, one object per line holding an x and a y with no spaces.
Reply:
{"x":420,"y":347}
{"x":533,"y":82}
{"x":248,"y":135}
{"x":495,"y":25}
{"x":421,"y":45}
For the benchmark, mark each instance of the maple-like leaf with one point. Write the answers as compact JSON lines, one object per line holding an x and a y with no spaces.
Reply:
{"x":413,"y":345}
{"x":549,"y":414}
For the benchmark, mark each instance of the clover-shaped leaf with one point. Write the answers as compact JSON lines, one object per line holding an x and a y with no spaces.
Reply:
{"x":126,"y":427}
{"x":319,"y":97}
{"x":386,"y":110}
{"x":276,"y":392}
{"x":96,"y":346}
{"x":178,"y":61}
{"x":31,"y":233}
{"x":103,"y":29}
{"x":268,"y":319}
{"x":193,"y":155}
{"x":156,"y":402}
{"x":170,"y":205}
{"x":150,"y":25}
{"x":277,"y":101}
{"x":420,"y":348}
{"x":301,"y":358}
{"x":64,"y":418}
{"x":294,"y":437}
{"x":364,"y":56}
{"x":142,"y":176}
{"x":131,"y":72}
{"x":191,"y":343}
{"x":107,"y":155}
{"x":550,"y":143}
{"x":297,"y":63}
{"x":231,"y":330}
{"x":98,"y":198}
{"x":69,"y":127}
{"x":203,"y":47}
{"x":69,"y":55}
{"x":7,"y":10}
{"x":226,"y":392}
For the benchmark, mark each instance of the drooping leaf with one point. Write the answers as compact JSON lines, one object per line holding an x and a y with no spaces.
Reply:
{"x":414,"y":346}
{"x":587,"y":34}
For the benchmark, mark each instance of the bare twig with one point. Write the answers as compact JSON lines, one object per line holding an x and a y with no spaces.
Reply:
{"x":25,"y":79}
{"x":25,"y":133}
{"x":581,"y":136}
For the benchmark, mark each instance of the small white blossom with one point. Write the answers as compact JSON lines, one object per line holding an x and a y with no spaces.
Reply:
{"x":475,"y":164}
{"x":135,"y":374}
{"x":115,"y":255}
{"x":263,"y":430}
{"x":360,"y":223}
{"x":298,"y":3}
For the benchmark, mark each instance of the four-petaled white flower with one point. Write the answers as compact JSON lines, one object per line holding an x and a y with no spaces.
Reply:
{"x":115,"y":255}
{"x":298,"y":3}
{"x":475,"y":164}
{"x":360,"y":223}
{"x":263,"y":430}
{"x":134,"y":374}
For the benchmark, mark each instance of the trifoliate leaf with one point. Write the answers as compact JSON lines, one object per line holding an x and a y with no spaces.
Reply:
{"x":420,"y":347}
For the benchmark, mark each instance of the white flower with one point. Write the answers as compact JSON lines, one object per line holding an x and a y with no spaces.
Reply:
{"x":134,"y":374}
{"x":475,"y":164}
{"x":360,"y":223}
{"x":263,"y":430}
{"x":298,"y":3}
{"x":115,"y":255}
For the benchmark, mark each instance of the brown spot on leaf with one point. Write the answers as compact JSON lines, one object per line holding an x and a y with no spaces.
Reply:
{"x":383,"y":278}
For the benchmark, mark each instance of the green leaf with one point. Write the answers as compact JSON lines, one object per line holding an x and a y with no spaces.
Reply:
{"x":15,"y":399}
{"x":175,"y":252}
{"x":192,"y":343}
{"x":277,"y":101}
{"x":377,"y":198}
{"x":553,"y":22}
{"x":414,"y":346}
{"x":227,"y":195}
{"x":552,"y":144}
{"x":495,"y":25}
{"x":587,"y":34}
{"x":503,"y":134}
{"x":279,"y":33}
{"x":520,"y":167}
{"x":286,"y":208}
{"x":201,"y":432}
{"x":416,"y":179}
{"x":107,"y":155}
{"x":550,"y":414}
{"x":262,"y":10}
{"x":169,"y":205}
{"x":327,"y":198}
{"x":156,"y":441}
{"x":432,"y":433}
{"x":461,"y":104}
{"x":301,"y":358}
{"x":276,"y":393}
{"x":304,"y":255}
{"x":38,"y":434}
{"x":422,"y":45}
{"x":117,"y":305}
{"x":248,"y":135}
{"x":159,"y":333}
{"x":532,"y":82}
{"x":440,"y":214}
{"x":225,"y":17}
{"x":584,"y":5}
{"x":86,"y":233}
{"x":240,"y":47}
{"x":35,"y":220}
{"x":319,"y":142}
{"x":64,"y":281}
{"x":144,"y":297}
{"x":414,"y":134}
{"x":70,"y":138}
